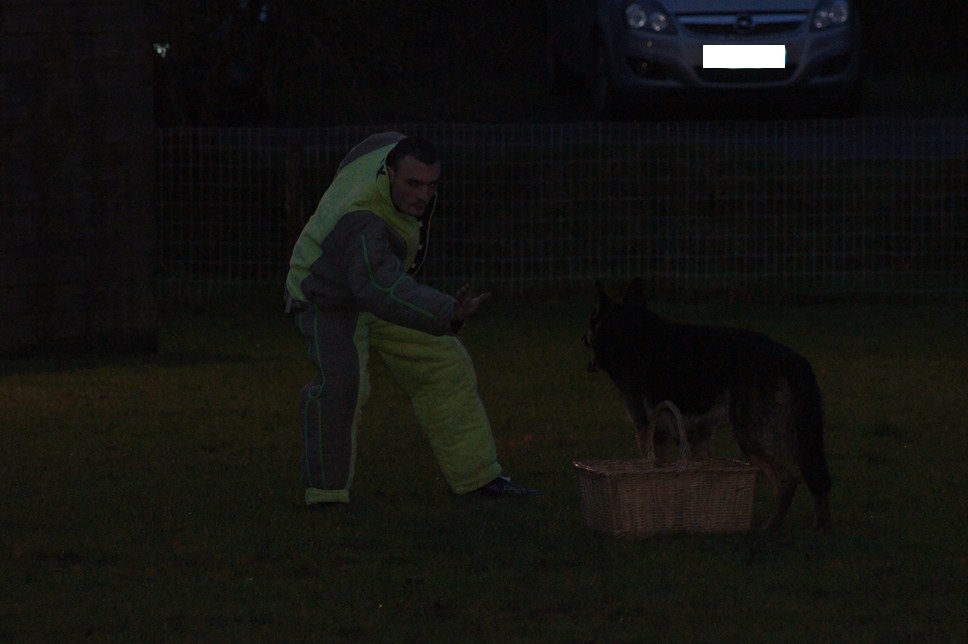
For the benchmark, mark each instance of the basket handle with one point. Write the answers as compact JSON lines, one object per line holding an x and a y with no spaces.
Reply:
{"x":684,"y":451}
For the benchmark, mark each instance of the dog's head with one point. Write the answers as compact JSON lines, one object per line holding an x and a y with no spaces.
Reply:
{"x":605,"y":325}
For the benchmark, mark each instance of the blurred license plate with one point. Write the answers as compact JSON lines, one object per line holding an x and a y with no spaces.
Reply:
{"x":744,"y":56}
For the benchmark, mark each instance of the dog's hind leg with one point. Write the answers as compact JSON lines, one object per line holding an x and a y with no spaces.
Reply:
{"x":817,"y":478}
{"x":784,"y":487}
{"x":813,"y":462}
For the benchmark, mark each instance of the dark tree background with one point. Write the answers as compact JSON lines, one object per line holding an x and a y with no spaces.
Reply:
{"x":306,"y":62}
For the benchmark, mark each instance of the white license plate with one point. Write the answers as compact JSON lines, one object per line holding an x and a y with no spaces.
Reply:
{"x":744,"y":56}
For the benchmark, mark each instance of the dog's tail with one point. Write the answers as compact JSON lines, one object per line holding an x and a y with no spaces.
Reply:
{"x":808,"y":409}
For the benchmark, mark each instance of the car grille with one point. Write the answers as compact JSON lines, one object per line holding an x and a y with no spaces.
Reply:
{"x":742,"y":24}
{"x":745,"y":75}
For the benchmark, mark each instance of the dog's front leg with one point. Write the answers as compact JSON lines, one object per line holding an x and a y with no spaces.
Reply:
{"x":644,"y":430}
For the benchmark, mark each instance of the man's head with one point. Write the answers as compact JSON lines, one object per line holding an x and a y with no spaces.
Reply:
{"x":414,"y":171}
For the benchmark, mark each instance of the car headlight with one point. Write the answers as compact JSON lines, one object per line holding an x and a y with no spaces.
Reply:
{"x":831,"y":13}
{"x":649,"y":16}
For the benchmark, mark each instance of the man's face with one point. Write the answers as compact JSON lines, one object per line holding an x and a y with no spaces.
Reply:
{"x":412,"y":185}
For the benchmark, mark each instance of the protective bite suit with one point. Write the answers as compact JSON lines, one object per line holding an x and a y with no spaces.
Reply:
{"x":351,"y":292}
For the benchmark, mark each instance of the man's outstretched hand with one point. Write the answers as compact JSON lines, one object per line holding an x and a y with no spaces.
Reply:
{"x":467,"y":303}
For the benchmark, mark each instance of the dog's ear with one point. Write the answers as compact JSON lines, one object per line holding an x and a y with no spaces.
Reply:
{"x":635,"y":293}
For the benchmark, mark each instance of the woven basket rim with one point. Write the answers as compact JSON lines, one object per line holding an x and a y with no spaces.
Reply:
{"x":640,"y":465}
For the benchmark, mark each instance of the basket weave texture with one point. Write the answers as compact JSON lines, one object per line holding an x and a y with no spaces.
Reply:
{"x":634,"y":498}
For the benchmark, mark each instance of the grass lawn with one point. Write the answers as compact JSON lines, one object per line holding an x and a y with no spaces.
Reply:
{"x":158,"y":497}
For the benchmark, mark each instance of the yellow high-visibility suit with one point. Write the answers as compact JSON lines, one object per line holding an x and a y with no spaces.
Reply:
{"x":352,"y":294}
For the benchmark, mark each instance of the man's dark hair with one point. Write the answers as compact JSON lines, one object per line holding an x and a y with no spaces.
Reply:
{"x":413,"y":146}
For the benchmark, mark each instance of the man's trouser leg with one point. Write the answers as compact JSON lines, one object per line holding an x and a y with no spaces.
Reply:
{"x":330,"y":405}
{"x":438,"y":375}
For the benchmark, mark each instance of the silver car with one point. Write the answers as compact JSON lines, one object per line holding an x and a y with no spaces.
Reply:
{"x":628,"y":52}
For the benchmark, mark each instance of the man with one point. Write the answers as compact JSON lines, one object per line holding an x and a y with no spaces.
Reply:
{"x":351,"y":292}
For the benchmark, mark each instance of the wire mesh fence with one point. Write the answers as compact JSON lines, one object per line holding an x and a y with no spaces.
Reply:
{"x":807,"y":207}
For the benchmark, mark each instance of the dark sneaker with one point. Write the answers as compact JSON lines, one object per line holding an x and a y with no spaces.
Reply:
{"x":503,"y":486}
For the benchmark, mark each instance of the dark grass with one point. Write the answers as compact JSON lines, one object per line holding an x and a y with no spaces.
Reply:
{"x":158,"y":497}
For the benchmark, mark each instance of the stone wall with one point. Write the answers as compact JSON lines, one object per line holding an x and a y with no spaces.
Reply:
{"x":77,"y":247}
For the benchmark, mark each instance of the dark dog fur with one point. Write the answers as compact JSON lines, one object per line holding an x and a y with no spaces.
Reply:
{"x":766,"y":392}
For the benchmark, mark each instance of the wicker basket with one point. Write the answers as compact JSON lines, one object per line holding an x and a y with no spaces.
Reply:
{"x":634,"y":498}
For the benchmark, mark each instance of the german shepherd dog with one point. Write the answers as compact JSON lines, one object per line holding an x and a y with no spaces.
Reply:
{"x":766,"y":392}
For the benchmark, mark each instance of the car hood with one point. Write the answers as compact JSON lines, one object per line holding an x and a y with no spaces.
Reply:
{"x":731,"y":6}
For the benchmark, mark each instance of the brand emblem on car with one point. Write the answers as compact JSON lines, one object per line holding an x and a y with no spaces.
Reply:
{"x":744,"y":24}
